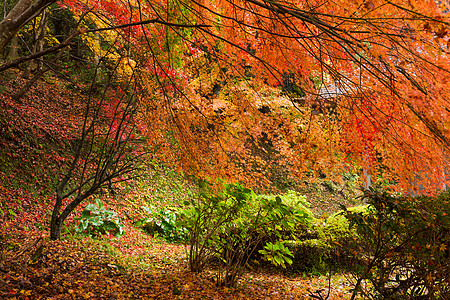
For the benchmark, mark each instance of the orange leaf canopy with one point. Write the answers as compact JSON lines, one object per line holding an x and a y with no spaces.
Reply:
{"x":371,"y":85}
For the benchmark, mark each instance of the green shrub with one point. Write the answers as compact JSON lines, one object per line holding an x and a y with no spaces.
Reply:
{"x":277,"y":254}
{"x":321,"y":245}
{"x":404,"y":242}
{"x":95,"y":219}
{"x":310,"y":256}
{"x":232,"y":224}
{"x":162,"y":223}
{"x":337,"y":231}
{"x":294,"y":201}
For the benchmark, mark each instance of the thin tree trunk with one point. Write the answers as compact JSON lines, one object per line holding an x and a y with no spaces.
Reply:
{"x":55,"y":223}
{"x":40,"y":35}
{"x":38,"y":45}
{"x":97,"y":41}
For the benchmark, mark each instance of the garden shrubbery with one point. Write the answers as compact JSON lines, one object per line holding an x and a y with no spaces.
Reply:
{"x":394,"y":247}
{"x":404,"y":242}
{"x":323,"y":245}
{"x":96,"y":219}
{"x":231,"y":225}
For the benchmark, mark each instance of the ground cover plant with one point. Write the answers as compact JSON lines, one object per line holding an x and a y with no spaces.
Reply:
{"x":163,"y":223}
{"x":96,"y":219}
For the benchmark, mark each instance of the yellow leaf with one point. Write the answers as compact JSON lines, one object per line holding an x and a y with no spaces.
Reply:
{"x":409,"y":257}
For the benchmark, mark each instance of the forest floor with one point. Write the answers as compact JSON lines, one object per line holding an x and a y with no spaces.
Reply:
{"x":134,"y":266}
{"x":34,"y":132}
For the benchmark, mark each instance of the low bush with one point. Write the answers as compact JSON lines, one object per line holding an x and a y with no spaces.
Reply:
{"x":293,"y":200}
{"x":336,"y":228}
{"x":95,"y":219}
{"x":310,"y":256}
{"x":404,"y":244}
{"x":231,"y":225}
{"x":162,"y":223}
{"x":322,"y":246}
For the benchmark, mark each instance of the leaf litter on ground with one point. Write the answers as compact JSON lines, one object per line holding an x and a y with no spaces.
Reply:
{"x":88,"y":269}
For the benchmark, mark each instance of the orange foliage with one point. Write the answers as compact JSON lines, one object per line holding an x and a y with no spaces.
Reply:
{"x":385,"y":65}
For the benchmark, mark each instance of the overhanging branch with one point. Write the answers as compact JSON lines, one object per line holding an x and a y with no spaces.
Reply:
{"x":153,"y":21}
{"x":66,"y":43}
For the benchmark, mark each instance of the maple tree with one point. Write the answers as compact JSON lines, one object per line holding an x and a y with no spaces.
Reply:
{"x":101,"y":156}
{"x":382,"y":66}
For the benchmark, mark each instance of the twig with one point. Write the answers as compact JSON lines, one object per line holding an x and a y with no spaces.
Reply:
{"x":41,"y":53}
{"x":24,"y":250}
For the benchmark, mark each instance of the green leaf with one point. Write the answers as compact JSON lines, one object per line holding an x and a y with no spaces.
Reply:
{"x":278,"y":260}
{"x":90,"y":207}
{"x":85,"y":214}
{"x":99,"y":203}
{"x":288,"y":260}
{"x":278,"y":199}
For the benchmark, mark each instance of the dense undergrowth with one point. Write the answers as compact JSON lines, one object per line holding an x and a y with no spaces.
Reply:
{"x":131,"y":240}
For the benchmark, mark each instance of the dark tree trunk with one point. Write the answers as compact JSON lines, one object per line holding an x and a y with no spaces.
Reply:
{"x":58,"y":216}
{"x":56,"y":223}
{"x":55,"y":229}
